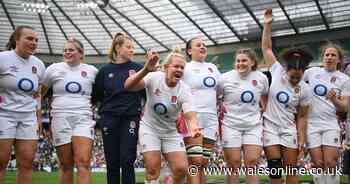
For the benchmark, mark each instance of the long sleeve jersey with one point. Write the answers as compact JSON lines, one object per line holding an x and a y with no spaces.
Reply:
{"x":110,"y":92}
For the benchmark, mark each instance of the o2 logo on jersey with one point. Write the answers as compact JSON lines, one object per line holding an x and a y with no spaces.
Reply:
{"x":209,"y":82}
{"x":26,"y":85}
{"x":160,"y":108}
{"x":73,"y":87}
{"x":282,"y":97}
{"x":320,"y":90}
{"x":247,"y":96}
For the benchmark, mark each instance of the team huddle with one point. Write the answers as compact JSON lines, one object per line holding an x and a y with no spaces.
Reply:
{"x":294,"y":113}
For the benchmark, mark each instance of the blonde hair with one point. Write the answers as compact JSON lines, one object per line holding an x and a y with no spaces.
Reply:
{"x":78,"y":45}
{"x":176,"y":52}
{"x":118,"y":40}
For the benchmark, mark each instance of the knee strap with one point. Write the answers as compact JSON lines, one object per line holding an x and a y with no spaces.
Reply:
{"x":275,"y":166}
{"x":194,"y":150}
{"x":207,"y":153}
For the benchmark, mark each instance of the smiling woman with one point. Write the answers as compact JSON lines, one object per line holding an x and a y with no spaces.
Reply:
{"x":72,"y":124}
{"x":167,"y":96}
{"x":245,"y":61}
{"x":242,"y":90}
{"x":20,"y":76}
{"x":73,"y":52}
{"x":289,"y":99}
{"x":202,"y":77}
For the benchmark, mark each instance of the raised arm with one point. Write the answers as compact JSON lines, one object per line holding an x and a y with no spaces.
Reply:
{"x":266,"y":43}
{"x":135,"y":82}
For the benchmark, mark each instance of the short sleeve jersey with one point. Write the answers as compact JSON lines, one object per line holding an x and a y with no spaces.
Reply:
{"x":19,"y":80}
{"x":203,"y":79}
{"x":284,"y":99}
{"x":241,"y":96}
{"x":71,"y":86}
{"x":164,"y":103}
{"x":323,"y":112}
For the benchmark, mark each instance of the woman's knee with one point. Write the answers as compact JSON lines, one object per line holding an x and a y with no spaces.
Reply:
{"x":152,"y":173}
{"x":82,"y":162}
{"x":330,"y":162}
{"x":66,"y":167}
{"x":180,"y":169}
{"x":233,"y":163}
{"x":4,"y":162}
{"x":25,"y":161}
{"x":251,"y":162}
{"x":318,"y":163}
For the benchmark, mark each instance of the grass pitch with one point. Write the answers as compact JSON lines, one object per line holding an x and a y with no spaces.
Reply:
{"x":100,"y":178}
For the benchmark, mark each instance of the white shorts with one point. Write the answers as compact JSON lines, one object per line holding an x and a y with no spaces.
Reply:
{"x":323,"y":137}
{"x":276,"y":135}
{"x":151,"y":140}
{"x":64,"y":126}
{"x":19,"y":125}
{"x":233,"y":138}
{"x":209,"y":123}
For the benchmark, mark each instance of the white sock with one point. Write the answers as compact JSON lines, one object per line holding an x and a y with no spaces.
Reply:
{"x":152,"y":181}
{"x":319,"y":179}
{"x":332,"y":179}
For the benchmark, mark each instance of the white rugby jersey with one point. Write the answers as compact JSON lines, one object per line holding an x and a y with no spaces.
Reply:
{"x":163,"y":103}
{"x":202,"y":78}
{"x":323,"y":112}
{"x":19,"y":79}
{"x":72,"y":87}
{"x":241,"y":96}
{"x":284,"y":99}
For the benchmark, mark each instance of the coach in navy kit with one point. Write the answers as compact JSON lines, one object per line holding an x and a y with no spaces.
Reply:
{"x":119,"y":110}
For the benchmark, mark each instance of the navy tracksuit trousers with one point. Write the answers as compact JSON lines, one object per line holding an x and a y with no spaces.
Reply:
{"x":120,"y":134}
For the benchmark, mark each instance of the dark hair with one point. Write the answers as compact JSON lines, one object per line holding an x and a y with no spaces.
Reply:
{"x":189,"y":46}
{"x":296,"y":58}
{"x":11,"y":44}
{"x":339,"y":50}
{"x":250,"y":53}
{"x":118,"y":40}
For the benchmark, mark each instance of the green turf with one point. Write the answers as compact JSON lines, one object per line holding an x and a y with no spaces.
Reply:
{"x":52,"y":178}
{"x":100,"y":178}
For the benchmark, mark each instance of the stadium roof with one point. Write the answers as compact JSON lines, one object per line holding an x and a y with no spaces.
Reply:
{"x":162,"y":24}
